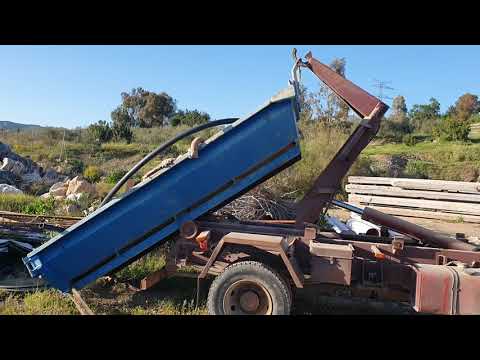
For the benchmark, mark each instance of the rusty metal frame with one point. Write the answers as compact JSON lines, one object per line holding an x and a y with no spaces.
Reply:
{"x":371,"y":110}
{"x":276,"y":244}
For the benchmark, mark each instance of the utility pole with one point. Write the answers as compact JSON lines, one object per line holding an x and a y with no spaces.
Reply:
{"x":381,"y":86}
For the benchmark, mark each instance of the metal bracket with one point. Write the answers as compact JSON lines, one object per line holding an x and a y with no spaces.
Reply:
{"x":262,"y":242}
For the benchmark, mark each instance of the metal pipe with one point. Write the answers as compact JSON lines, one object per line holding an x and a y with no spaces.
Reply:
{"x":415,"y":231}
{"x":348,"y":207}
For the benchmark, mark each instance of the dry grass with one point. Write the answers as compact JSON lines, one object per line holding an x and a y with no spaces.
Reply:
{"x":319,"y":145}
{"x":140,"y":268}
{"x":42,"y":302}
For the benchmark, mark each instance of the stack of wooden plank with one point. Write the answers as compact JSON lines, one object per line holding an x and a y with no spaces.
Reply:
{"x":430,"y":199}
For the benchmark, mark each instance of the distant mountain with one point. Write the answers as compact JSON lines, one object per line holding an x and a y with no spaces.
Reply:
{"x":9,"y":125}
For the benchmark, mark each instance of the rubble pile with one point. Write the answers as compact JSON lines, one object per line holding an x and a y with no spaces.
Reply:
{"x":72,"y":190}
{"x":21,"y":173}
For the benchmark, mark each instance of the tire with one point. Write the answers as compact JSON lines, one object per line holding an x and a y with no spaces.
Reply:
{"x":249,"y":288}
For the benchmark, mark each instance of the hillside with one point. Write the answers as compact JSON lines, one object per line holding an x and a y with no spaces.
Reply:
{"x":9,"y":125}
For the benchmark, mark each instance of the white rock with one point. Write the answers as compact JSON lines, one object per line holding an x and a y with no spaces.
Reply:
{"x":59,"y":198}
{"x":58,"y":185}
{"x":78,"y":185}
{"x":60,"y":190}
{"x":9,"y":189}
{"x":46,"y":195}
{"x":13,"y":166}
{"x":76,"y":197}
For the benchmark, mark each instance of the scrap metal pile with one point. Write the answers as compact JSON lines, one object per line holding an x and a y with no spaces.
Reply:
{"x":20,"y":234}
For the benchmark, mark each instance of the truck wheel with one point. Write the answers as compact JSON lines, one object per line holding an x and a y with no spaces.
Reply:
{"x":249,"y":288}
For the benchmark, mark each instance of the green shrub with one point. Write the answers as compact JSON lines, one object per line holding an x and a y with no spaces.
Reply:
{"x":417,"y":169}
{"x":451,"y":129}
{"x":189,"y":118}
{"x":409,"y":140}
{"x":100,"y":132}
{"x":40,"y":207}
{"x":393,"y":131}
{"x":115,"y":176}
{"x":92,"y":174}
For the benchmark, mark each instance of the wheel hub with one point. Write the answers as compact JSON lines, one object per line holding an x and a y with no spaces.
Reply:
{"x":247,"y":297}
{"x":249,"y":301}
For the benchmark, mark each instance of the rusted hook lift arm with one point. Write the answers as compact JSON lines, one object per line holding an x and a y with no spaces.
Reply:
{"x":370,"y":109}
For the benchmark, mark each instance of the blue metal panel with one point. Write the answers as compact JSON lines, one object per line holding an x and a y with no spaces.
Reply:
{"x":251,"y":150}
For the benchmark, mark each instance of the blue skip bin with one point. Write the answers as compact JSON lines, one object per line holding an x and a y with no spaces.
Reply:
{"x":230,"y":163}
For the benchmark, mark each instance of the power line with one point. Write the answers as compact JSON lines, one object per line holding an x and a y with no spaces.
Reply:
{"x":381,"y":86}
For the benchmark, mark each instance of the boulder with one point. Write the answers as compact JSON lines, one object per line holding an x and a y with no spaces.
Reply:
{"x":13,"y":166}
{"x":79,"y":185}
{"x":59,"y":198}
{"x":76,"y":197}
{"x":7,"y":177}
{"x":23,"y":172}
{"x":32,"y":177}
{"x":46,"y":195}
{"x":57,"y":185}
{"x":9,"y":189}
{"x":59,"y":191}
{"x":4,"y":150}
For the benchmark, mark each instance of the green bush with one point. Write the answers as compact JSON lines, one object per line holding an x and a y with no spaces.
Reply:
{"x":393,"y":131}
{"x":115,"y":176}
{"x":451,"y":129}
{"x":409,"y":140}
{"x":40,"y":207}
{"x":92,"y":174}
{"x":417,"y":169}
{"x":100,"y":132}
{"x":189,"y":118}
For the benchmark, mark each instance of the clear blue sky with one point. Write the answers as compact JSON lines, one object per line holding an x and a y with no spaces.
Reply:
{"x":77,"y":85}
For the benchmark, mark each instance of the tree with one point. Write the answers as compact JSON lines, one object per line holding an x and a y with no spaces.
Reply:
{"x":100,"y":132}
{"x":189,"y":118}
{"x":424,"y":117}
{"x":147,"y":109}
{"x":399,"y":106}
{"x":304,"y":99}
{"x":399,"y":114}
{"x":121,"y":125}
{"x":466,"y":106}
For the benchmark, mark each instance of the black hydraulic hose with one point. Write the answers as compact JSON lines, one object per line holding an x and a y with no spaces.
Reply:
{"x":162,"y":147}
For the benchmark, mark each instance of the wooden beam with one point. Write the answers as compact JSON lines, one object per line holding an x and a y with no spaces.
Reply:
{"x":417,"y":194}
{"x":452,"y":207}
{"x":419,"y":184}
{"x":153,"y":278}
{"x":80,"y":304}
{"x":370,"y":180}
